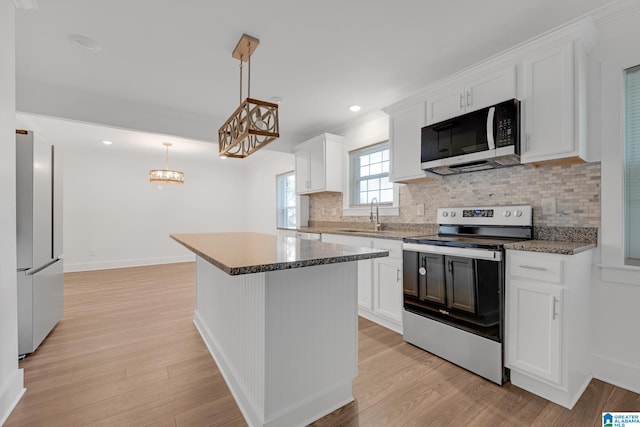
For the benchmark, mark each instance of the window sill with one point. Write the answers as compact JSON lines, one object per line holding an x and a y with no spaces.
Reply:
{"x":366,"y":211}
{"x":627,"y":274}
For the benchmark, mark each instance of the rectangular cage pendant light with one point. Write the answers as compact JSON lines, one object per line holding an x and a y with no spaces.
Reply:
{"x":254,"y":124}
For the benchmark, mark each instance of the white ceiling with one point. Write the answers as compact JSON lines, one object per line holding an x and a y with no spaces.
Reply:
{"x":166,"y":67}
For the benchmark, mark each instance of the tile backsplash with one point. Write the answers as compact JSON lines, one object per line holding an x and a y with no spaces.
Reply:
{"x":576,"y":189}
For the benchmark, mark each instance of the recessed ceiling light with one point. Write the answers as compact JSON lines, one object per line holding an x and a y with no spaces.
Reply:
{"x":105,"y":142}
{"x":354,"y":108}
{"x":277,"y":99}
{"x":85,"y":42}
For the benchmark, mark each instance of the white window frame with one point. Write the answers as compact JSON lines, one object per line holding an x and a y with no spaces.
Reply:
{"x":611,"y":240}
{"x":392,"y":209}
{"x":280,"y":199}
{"x":627,"y":197}
{"x":355,"y":178}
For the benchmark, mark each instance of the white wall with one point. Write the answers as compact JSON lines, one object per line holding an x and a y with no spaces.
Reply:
{"x":114,"y":217}
{"x":616,"y":289}
{"x":260,"y":188}
{"x":11,"y":379}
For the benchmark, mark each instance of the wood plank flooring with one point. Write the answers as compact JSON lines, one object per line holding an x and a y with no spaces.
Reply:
{"x":126,"y":353}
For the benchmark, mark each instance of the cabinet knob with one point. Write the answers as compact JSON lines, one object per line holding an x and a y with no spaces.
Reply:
{"x":422,"y":271}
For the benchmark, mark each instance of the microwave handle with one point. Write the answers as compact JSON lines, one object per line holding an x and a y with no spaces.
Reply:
{"x":490,"y":140}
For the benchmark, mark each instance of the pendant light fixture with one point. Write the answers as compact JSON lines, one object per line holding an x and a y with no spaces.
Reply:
{"x":166,"y":176}
{"x":254,"y":124}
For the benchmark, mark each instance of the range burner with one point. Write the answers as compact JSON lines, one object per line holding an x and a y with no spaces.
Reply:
{"x":480,"y":227}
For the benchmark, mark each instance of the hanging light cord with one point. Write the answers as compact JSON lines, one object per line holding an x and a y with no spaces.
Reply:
{"x":249,"y":77}
{"x":240,"y":79}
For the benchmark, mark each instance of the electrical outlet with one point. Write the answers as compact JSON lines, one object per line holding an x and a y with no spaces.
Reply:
{"x":420,"y":209}
{"x":549,"y":206}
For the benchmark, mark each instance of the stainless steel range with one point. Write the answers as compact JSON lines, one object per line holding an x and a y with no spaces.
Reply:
{"x":454,"y":285}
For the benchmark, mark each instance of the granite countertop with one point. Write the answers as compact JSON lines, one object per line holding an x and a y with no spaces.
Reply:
{"x":358,"y":230}
{"x":382,"y":234}
{"x":246,"y":253}
{"x":551,"y":246}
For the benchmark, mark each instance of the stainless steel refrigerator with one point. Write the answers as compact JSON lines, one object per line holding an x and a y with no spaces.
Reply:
{"x":39,"y":240}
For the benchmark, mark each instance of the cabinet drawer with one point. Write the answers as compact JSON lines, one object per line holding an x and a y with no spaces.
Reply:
{"x":393,"y":246}
{"x":536,"y":267}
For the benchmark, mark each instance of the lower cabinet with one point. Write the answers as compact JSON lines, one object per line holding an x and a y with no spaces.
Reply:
{"x":379,"y":280}
{"x":547,"y":341}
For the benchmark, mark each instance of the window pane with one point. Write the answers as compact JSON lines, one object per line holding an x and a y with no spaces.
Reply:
{"x":374,"y":184}
{"x":386,"y":196}
{"x":385,"y":155}
{"x":632,"y":166}
{"x":363,"y":185}
{"x":364,"y":171}
{"x":363,"y":197}
{"x":376,"y":157}
{"x":364,"y":160}
{"x":384,"y":183}
{"x":375,"y":169}
{"x":286,"y":200}
{"x":385,"y":167}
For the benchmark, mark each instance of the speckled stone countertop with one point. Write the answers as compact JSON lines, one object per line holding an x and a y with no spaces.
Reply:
{"x":246,"y":253}
{"x":399,"y":232}
{"x":551,"y":246}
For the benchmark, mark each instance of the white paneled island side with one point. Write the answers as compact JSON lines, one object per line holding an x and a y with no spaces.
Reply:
{"x":279,"y":316}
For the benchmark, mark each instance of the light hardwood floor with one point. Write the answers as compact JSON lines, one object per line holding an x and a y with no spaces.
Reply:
{"x":126,"y":353}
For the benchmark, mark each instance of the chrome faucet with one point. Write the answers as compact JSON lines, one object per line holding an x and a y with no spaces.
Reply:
{"x":377,"y":225}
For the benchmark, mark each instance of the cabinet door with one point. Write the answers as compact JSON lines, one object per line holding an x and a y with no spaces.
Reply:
{"x":448,"y":102}
{"x":548,"y":105}
{"x":461,"y":283}
{"x":387,"y":279}
{"x":303,"y":182}
{"x":534,"y":321}
{"x":317,"y":166}
{"x":491,"y":88}
{"x":432,"y":278}
{"x":404,"y":143}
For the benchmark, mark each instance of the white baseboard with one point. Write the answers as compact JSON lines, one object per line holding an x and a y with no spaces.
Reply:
{"x":382,"y":321}
{"x":10,"y":394}
{"x":108,"y":265}
{"x":616,"y":372}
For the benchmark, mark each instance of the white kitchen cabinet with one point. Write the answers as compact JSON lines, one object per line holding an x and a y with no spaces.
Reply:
{"x":319,"y":164}
{"x":387,"y":282}
{"x":547,"y":342}
{"x":405,"y":126}
{"x":554,"y":95}
{"x":535,"y":328}
{"x":471,"y":91}
{"x":379,"y":280}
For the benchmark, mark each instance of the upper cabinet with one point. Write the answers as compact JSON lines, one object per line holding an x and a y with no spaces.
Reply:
{"x":319,"y":164}
{"x":405,"y":124}
{"x":554,"y":104}
{"x":473,"y":91}
{"x":548,"y":76}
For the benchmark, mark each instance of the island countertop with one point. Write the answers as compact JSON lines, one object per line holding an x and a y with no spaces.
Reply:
{"x":247,"y":253}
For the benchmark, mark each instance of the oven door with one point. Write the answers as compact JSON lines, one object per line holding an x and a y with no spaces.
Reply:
{"x":458,"y":284}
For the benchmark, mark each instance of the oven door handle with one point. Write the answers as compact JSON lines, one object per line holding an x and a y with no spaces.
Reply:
{"x":485,"y":254}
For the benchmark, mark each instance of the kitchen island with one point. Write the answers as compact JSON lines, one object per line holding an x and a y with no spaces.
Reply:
{"x":279,"y":316}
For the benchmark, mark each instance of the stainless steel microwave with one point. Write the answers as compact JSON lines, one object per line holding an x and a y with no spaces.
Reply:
{"x":484,"y":139}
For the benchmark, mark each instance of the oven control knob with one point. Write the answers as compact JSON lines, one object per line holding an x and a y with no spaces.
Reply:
{"x":517,"y":212}
{"x":506,"y":214}
{"x":453,"y":214}
{"x":445,"y":214}
{"x":422,"y":271}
